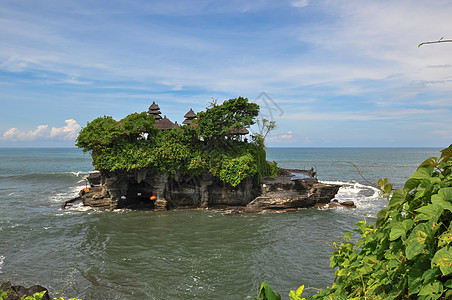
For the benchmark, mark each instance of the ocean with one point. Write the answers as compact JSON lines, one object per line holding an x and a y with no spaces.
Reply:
{"x":185,"y":254}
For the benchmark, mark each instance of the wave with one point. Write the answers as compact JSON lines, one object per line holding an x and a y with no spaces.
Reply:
{"x":2,"y":259}
{"x":78,"y":176}
{"x":364,"y":196}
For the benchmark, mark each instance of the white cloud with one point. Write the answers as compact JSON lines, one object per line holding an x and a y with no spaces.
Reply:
{"x":16,"y":64}
{"x":67,"y":132}
{"x":281,"y":137}
{"x":300,"y":3}
{"x":74,"y":79}
{"x":15,"y":134}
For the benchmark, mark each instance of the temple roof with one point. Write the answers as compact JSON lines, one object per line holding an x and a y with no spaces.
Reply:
{"x":154,"y":110}
{"x":190,"y":114}
{"x":165,"y":124}
{"x":154,"y":106}
{"x":241,"y":131}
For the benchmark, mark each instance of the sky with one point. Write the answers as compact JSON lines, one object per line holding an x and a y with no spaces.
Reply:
{"x":342,"y":73}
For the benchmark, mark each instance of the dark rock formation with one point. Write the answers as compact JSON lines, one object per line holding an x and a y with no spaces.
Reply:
{"x":336,"y":204}
{"x":145,"y":189}
{"x":286,"y":193}
{"x":18,"y":291}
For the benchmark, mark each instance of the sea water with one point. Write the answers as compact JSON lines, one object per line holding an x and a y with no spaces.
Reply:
{"x":185,"y":254}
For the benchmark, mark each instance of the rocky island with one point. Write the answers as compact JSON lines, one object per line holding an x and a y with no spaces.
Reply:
{"x":145,"y":161}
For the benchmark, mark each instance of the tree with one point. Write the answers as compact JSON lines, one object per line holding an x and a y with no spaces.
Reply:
{"x":265,"y":126}
{"x":217,"y":121}
{"x":132,"y":126}
{"x":98,"y":134}
{"x":104,"y":132}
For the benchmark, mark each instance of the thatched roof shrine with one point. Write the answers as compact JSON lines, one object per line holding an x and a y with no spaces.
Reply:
{"x":165,"y":124}
{"x":189,"y":116}
{"x":239,"y":131}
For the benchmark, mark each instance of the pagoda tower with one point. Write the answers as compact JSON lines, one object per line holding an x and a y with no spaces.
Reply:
{"x":189,"y":117}
{"x":154,"y":110}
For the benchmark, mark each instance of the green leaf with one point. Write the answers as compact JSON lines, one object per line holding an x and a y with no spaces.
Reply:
{"x":438,"y":200}
{"x":400,"y":229}
{"x":448,"y":284}
{"x":432,"y":291}
{"x":382,"y":215}
{"x":366,"y":269}
{"x":445,"y":238}
{"x":443,"y":259}
{"x":444,"y":198}
{"x":415,"y":275}
{"x":432,"y":161}
{"x":416,"y":240}
{"x":266,"y":292}
{"x":423,"y":172}
{"x":397,"y":198}
{"x":446,"y":153}
{"x":347,"y":236}
{"x":430,"y":275}
{"x":430,"y":212}
{"x":411,"y":184}
{"x":297,"y":295}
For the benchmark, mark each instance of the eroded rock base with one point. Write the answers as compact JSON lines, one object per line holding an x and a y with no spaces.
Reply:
{"x":144,"y":189}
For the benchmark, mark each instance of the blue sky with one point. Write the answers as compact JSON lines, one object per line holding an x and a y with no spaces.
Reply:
{"x":334,"y":73}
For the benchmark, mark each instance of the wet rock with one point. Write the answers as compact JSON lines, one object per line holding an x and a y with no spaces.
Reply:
{"x":348,"y":204}
{"x":17,"y":292}
{"x":336,"y":204}
{"x":94,"y":179}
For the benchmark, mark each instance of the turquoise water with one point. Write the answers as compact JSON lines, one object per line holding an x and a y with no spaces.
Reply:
{"x":97,"y":254}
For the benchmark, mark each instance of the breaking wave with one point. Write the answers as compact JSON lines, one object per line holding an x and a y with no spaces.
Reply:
{"x":364,"y":196}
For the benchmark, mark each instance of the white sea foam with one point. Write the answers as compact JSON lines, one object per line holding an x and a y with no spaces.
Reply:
{"x":79,"y":207}
{"x":2,"y":259}
{"x":65,"y":195}
{"x":80,"y":173}
{"x":364,"y":196}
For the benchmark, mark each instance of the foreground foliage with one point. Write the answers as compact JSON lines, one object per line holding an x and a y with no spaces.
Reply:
{"x":37,"y":296}
{"x":407,"y":253}
{"x":207,"y":145}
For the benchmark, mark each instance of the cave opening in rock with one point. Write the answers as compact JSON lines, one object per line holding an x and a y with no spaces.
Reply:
{"x":139,"y":196}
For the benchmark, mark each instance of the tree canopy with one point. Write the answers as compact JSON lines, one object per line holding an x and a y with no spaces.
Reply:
{"x":219,"y":120}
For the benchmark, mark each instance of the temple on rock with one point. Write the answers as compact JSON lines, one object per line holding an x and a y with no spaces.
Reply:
{"x":153,"y":163}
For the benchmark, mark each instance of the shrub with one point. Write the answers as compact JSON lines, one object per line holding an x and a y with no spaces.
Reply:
{"x":407,"y":252}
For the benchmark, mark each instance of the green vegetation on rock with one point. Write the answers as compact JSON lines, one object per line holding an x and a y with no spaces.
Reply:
{"x":8,"y":294}
{"x":407,"y":252}
{"x":210,"y":144}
